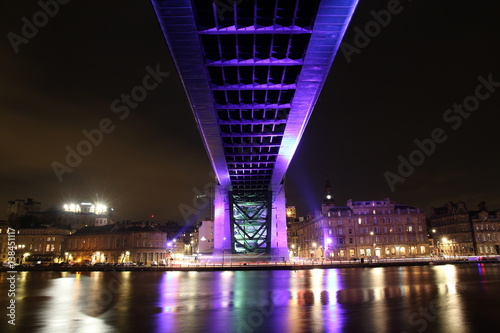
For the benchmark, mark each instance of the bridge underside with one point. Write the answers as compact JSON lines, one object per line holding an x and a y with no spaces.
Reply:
{"x":252,"y":70}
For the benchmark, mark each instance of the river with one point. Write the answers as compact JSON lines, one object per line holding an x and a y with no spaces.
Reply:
{"x":444,"y":298}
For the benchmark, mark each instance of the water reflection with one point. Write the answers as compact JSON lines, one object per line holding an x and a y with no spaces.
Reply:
{"x":431,"y":299}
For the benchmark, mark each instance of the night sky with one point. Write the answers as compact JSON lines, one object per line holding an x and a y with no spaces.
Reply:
{"x":394,"y":89}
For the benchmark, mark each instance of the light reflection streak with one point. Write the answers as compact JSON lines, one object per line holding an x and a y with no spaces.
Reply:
{"x":329,"y":300}
{"x":332,"y":311}
{"x":62,"y":313}
{"x":167,"y":289}
{"x":449,"y":299}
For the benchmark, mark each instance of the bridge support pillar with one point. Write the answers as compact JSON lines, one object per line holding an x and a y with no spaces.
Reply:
{"x":222,"y":228}
{"x":279,"y":242}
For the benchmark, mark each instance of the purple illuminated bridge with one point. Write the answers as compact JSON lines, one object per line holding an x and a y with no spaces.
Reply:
{"x":252,"y":70}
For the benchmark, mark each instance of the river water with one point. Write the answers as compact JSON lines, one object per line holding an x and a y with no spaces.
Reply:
{"x":448,"y":298}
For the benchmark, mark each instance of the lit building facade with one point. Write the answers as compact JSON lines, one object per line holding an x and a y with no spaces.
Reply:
{"x":458,"y":231}
{"x":363,"y":229}
{"x":4,"y":250}
{"x":206,"y":237}
{"x":291,"y":213}
{"x":40,"y":244}
{"x":117,"y":244}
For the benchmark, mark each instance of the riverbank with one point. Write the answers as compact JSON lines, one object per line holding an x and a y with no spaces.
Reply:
{"x":250,"y":266}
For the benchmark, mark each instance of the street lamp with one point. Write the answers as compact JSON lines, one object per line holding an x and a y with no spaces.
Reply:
{"x":125,"y":255}
{"x":174,"y":249}
{"x":25,"y":256}
{"x":444,"y":241}
{"x":328,"y":249}
{"x":223,"y":249}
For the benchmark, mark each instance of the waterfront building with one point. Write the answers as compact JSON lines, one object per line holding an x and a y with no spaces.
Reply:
{"x":117,"y":243}
{"x":181,"y":240}
{"x":361,"y":229}
{"x":458,"y":231}
{"x":4,"y":250}
{"x":379,"y":228}
{"x":40,"y":244}
{"x":206,"y":237}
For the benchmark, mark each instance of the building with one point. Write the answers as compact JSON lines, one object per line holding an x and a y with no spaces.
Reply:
{"x":28,"y":213}
{"x":361,"y":229}
{"x":291,"y":213}
{"x":181,"y":240}
{"x":384,"y":229}
{"x":81,"y":215}
{"x":23,"y":213}
{"x":206,"y":237}
{"x":458,"y":231}
{"x":20,"y":208}
{"x":4,"y":229}
{"x":117,"y":243}
{"x":40,"y":244}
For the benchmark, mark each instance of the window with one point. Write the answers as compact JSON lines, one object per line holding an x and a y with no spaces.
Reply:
{"x":350,"y":240}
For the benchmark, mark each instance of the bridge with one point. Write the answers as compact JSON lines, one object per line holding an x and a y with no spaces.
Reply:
{"x":252,"y":71}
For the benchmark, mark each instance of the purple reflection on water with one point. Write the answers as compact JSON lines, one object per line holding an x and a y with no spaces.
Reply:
{"x":333,"y":313}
